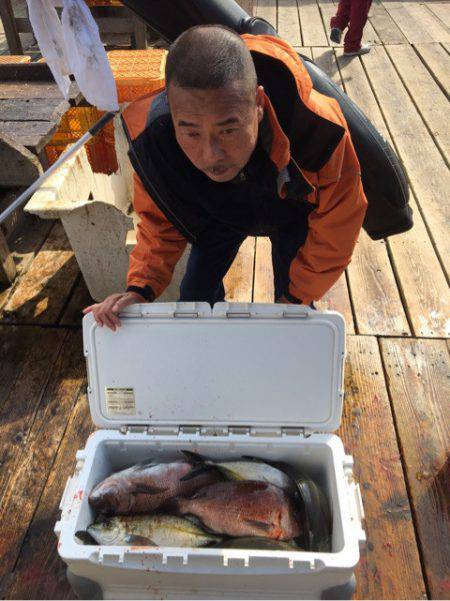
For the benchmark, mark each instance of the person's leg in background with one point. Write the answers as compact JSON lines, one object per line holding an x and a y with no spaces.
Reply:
{"x":359,"y":13}
{"x":207,"y":265}
{"x":340,"y":21}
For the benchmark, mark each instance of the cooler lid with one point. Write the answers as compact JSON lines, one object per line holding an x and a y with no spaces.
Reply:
{"x":255,"y":365}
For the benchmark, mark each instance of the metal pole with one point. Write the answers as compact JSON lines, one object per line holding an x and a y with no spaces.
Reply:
{"x":62,"y":159}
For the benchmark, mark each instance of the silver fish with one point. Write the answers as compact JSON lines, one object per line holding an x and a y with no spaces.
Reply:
{"x":148,"y":530}
{"x":244,"y":469}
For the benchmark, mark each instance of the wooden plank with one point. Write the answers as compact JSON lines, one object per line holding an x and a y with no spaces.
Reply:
{"x":263,"y":288}
{"x":24,"y":490}
{"x":40,"y":573}
{"x":336,"y":299}
{"x":34,"y":135}
{"x":7,"y":266}
{"x":313,"y":31}
{"x":36,"y":89}
{"x":438,"y":62}
{"x":247,"y":5}
{"x":385,"y":26}
{"x":426,"y":95}
{"x":376,"y":300}
{"x":20,"y":167}
{"x":326,"y":60}
{"x":426,"y":168}
{"x":30,"y":364}
{"x":139,"y":32}
{"x":37,"y":109}
{"x":80,"y":299}
{"x":267,"y":9}
{"x":306,"y":51}
{"x":436,"y":28}
{"x":289,"y":22}
{"x":9,"y":24}
{"x":24,"y":243}
{"x":441,"y":10}
{"x":418,"y":25}
{"x":239,"y":279}
{"x":368,"y":434}
{"x":418,"y":377}
{"x":41,"y":295}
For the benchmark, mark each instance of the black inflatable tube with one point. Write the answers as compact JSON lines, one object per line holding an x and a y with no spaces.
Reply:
{"x":383,"y":177}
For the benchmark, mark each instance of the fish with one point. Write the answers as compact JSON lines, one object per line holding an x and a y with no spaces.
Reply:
{"x":249,"y":468}
{"x":147,"y":486}
{"x":316,"y":510}
{"x":244,"y":508}
{"x":148,"y":530}
{"x":257,"y":542}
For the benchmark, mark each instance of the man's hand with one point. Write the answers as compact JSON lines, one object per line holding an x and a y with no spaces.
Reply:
{"x":106,"y":312}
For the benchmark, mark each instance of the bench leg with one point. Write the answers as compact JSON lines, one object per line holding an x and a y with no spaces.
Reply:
{"x":9,"y":24}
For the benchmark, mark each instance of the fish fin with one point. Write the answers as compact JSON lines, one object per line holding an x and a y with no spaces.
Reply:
{"x":253,"y":458}
{"x":197,"y":471}
{"x":143,"y":464}
{"x":139,"y":541}
{"x":148,"y":489}
{"x":85,"y":537}
{"x":194,"y":457}
{"x":263,"y":525}
{"x":198,"y":522}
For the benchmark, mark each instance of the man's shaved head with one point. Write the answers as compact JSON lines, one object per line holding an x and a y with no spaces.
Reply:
{"x":215,"y":101}
{"x":208,"y":57}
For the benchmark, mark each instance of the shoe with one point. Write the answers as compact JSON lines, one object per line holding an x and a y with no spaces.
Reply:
{"x":336,"y":35}
{"x":365,"y":48}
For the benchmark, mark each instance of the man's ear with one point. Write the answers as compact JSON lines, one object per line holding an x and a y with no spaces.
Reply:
{"x":260,"y":103}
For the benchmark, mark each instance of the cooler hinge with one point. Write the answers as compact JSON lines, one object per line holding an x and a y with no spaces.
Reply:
{"x":298,"y":432}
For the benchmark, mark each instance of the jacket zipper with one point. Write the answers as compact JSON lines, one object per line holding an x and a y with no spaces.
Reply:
{"x":151,"y":189}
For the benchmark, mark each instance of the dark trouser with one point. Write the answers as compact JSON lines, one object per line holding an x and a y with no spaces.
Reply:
{"x":354,"y":12}
{"x":211,"y":258}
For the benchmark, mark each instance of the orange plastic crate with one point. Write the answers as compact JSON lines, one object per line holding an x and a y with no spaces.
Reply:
{"x":14,"y":58}
{"x":136,"y":72}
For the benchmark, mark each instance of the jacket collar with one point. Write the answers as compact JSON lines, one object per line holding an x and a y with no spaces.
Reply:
{"x":291,"y":180}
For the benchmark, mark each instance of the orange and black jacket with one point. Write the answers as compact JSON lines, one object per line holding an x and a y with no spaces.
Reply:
{"x":309,"y":146}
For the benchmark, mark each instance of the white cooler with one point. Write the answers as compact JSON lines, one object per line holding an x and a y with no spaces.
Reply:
{"x":241,"y":379}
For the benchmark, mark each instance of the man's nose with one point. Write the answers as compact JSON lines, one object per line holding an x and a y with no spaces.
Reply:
{"x":213,"y":150}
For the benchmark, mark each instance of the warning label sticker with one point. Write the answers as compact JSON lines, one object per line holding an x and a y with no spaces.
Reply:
{"x":120,"y":401}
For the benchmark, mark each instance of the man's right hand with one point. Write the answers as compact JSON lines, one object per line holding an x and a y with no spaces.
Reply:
{"x":106,"y":313}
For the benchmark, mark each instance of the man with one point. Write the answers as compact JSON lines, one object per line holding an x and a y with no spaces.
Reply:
{"x":238,"y":144}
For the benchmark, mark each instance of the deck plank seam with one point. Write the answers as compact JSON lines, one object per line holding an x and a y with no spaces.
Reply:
{"x":416,"y":106}
{"x":404,"y":471}
{"x":44,"y":386}
{"x":416,"y":198}
{"x":69,"y":416}
{"x":390,"y":254}
{"x":431,"y":72}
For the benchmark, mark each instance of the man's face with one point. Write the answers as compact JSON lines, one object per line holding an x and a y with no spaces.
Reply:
{"x":217,"y":129}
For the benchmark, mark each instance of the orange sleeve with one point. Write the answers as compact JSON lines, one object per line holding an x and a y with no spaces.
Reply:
{"x":158,"y":248}
{"x":334,"y":227}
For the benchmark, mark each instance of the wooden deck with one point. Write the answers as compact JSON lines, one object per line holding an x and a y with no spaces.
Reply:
{"x":394,"y":297}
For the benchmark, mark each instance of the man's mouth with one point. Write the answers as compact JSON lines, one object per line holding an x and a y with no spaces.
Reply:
{"x":219,"y":170}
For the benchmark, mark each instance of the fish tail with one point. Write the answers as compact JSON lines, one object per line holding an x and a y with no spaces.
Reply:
{"x":194,"y":458}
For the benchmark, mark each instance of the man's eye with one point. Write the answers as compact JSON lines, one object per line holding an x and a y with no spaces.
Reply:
{"x":228,"y":132}
{"x":192,"y":134}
